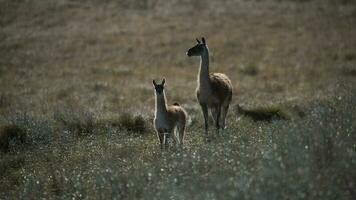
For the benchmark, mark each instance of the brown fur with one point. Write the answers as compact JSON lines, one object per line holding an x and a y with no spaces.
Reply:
{"x":175,"y":115}
{"x":167,"y":118}
{"x":221,"y":87}
{"x":219,"y":100}
{"x":214,"y":90}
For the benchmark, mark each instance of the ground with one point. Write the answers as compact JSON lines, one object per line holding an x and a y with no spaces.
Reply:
{"x":76,"y":81}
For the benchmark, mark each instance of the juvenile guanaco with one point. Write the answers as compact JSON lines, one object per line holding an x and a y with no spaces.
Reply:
{"x":214,"y":90}
{"x":168,"y":118}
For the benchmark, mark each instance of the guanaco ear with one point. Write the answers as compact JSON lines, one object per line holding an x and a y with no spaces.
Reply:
{"x":164,"y":81}
{"x":203,"y":39}
{"x":198,"y":40}
{"x":154,"y":82}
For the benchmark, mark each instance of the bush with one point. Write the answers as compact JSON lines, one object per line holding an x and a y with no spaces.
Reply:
{"x":133,"y":124}
{"x":264,"y":113}
{"x":76,"y":121}
{"x":22,"y":128}
{"x":313,"y":158}
{"x":10,"y":134}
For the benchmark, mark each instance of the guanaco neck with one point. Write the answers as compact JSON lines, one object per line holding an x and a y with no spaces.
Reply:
{"x":204,"y":68}
{"x":161,"y":103}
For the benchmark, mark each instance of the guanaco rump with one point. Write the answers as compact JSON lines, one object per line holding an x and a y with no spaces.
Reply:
{"x":168,"y":118}
{"x":214,"y":90}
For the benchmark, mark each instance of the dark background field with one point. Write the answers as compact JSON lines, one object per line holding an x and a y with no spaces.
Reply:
{"x":77,"y":102}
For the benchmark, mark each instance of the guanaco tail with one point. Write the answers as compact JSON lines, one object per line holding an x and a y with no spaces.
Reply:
{"x":214,"y":90}
{"x":168,"y":118}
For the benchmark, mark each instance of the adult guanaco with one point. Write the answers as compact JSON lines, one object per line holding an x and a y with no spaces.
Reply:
{"x":214,"y":90}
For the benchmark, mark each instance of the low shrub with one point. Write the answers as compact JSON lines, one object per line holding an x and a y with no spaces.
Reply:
{"x":76,"y":121}
{"x":133,"y":124}
{"x":10,"y":134}
{"x":22,"y":129}
{"x":264,"y":113}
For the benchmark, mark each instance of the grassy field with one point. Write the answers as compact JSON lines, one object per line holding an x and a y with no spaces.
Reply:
{"x":77,"y":101}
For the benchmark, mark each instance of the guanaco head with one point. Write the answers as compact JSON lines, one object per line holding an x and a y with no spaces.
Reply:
{"x":159,"y":87}
{"x":198,"y":49}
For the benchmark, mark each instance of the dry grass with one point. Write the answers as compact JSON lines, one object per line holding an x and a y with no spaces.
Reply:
{"x":101,"y":54}
{"x":98,"y":58}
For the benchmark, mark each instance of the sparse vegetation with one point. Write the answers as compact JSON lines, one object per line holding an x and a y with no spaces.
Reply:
{"x":77,"y":122}
{"x":133,"y":124}
{"x":22,"y":128}
{"x":264,"y":113}
{"x":70,"y":129}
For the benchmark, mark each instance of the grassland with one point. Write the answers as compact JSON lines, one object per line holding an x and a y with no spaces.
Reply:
{"x":75,"y":87}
